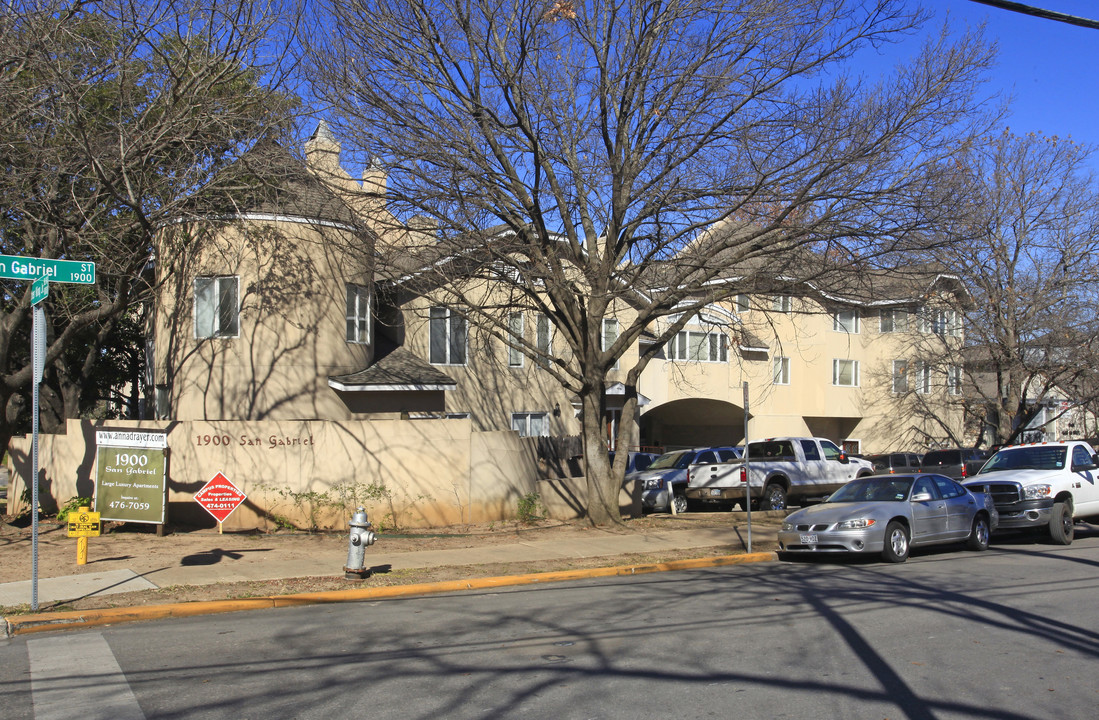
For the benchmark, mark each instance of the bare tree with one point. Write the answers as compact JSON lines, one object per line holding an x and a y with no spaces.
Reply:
{"x":1029,"y":257}
{"x":613,"y":159}
{"x":114,"y":113}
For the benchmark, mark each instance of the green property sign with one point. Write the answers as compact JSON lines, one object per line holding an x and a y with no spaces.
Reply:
{"x":130,"y":475}
{"x":15,"y":267}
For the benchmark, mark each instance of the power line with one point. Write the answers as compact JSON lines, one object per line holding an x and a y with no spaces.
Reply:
{"x":1040,"y":12}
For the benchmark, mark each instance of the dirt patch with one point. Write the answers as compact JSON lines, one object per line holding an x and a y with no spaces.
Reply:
{"x":139,"y":549}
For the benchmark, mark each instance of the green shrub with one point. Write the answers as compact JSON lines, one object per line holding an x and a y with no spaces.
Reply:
{"x":530,"y":508}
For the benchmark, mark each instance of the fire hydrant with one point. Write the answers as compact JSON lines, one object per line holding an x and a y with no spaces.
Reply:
{"x":361,"y":537}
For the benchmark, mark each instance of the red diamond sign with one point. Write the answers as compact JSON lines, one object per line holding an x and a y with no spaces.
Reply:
{"x":219,"y":497}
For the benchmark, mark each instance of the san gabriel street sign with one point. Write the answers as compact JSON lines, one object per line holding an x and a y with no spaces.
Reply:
{"x":219,"y":497}
{"x":14,"y":267}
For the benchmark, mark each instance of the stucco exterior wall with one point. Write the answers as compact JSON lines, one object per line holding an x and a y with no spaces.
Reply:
{"x":419,"y":473}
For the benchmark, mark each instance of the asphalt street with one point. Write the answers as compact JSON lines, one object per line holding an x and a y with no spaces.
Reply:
{"x":1010,"y":633}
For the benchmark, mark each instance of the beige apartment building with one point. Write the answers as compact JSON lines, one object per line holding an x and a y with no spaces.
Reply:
{"x":280,"y":317}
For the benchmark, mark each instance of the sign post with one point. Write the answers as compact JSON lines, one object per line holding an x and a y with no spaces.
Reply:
{"x":747,"y":476}
{"x":40,"y":271}
{"x":82,"y":525}
{"x":220,"y":498}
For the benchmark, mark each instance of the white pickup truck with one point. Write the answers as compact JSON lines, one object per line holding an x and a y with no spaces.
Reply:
{"x":780,"y":469}
{"x":1042,"y":485}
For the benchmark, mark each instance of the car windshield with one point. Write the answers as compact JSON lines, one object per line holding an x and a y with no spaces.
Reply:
{"x":1039,"y":457}
{"x":873,"y":490}
{"x":678,"y":460}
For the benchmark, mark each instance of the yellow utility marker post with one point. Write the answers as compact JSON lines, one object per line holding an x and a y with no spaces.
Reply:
{"x":82,"y":525}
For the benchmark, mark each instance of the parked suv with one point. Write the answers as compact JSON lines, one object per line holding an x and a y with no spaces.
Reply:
{"x":665,"y":481}
{"x":891,"y":463}
{"x":957,"y":463}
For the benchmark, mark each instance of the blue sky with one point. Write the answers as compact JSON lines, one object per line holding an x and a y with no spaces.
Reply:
{"x":1051,"y":68}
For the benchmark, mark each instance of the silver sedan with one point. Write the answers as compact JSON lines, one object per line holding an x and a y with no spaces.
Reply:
{"x":891,"y":514}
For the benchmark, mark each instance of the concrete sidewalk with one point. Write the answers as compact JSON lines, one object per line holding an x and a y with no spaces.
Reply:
{"x":232,"y":566}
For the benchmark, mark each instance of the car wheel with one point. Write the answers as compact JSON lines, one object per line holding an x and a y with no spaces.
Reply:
{"x":1061,"y":526}
{"x":774,"y":497}
{"x":978,"y":537}
{"x":679,"y":503}
{"x":896,"y":543}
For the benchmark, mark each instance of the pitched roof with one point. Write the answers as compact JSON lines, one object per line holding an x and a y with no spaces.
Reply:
{"x":399,"y":370}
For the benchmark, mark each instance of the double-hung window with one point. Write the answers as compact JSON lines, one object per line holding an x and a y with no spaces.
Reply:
{"x":515,"y":331}
{"x":358,"y":314}
{"x":609,"y":335}
{"x":544,"y":341}
{"x":448,"y":337}
{"x":845,"y":373}
{"x":782,"y":304}
{"x":699,"y":347}
{"x":530,"y":424}
{"x":923,"y":378}
{"x":782,"y":370}
{"x":954,"y":380}
{"x":893,"y":320}
{"x":900,"y":376}
{"x":846,"y":321}
{"x":217,"y":309}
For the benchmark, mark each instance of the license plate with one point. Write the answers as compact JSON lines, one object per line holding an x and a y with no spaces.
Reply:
{"x":715,"y":491}
{"x":809,"y":539}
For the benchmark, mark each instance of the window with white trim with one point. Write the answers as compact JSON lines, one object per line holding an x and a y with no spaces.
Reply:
{"x":954,"y":380}
{"x":530,"y":424}
{"x":515,"y":330}
{"x":940,"y":321}
{"x":900,"y":376}
{"x":781,"y":370}
{"x":782,"y":304}
{"x":741,"y":303}
{"x":609,"y":335}
{"x":923,"y":378}
{"x":699,"y":347}
{"x":358,"y":314}
{"x":893,"y":320}
{"x":845,"y":373}
{"x":217,"y":309}
{"x":846,"y":321}
{"x":448,"y":332}
{"x":544,"y":341}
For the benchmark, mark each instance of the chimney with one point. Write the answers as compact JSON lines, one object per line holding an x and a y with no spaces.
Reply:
{"x":322,"y":152}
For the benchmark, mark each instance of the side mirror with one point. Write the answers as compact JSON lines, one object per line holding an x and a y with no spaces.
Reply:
{"x":842,"y":457}
{"x":1083,"y":466}
{"x":921,"y":497}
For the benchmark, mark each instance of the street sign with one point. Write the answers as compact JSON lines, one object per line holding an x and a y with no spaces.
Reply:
{"x":14,"y":267}
{"x":40,"y":290}
{"x":83,"y":524}
{"x":219,"y":497}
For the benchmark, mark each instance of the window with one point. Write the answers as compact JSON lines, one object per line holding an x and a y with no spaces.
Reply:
{"x":610,"y":334}
{"x":544,"y":340}
{"x":515,"y":329}
{"x":831,"y":450}
{"x":954,"y":380}
{"x":900,"y":376}
{"x":530,"y":424}
{"x":846,"y":321}
{"x":699,"y":347}
{"x":809,"y":447}
{"x":940,"y":322}
{"x":923,"y":378}
{"x":358,"y":314}
{"x":216,"y":308}
{"x":845,"y":373}
{"x":782,"y":370}
{"x":782,"y":304}
{"x":448,"y":337}
{"x":741,"y":303}
{"x":893,"y":320}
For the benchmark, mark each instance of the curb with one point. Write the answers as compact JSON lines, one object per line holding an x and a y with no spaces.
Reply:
{"x":76,"y":619}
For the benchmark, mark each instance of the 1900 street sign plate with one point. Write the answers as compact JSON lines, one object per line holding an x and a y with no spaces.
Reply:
{"x":219,"y":497}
